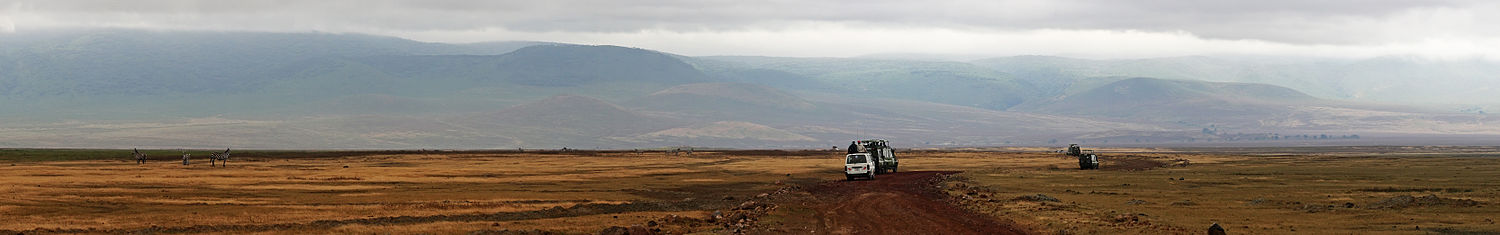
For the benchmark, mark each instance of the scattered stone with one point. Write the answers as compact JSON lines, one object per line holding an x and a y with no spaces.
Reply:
{"x":1314,"y":208}
{"x":346,"y":166}
{"x":1136,"y":202}
{"x":1215,"y":229}
{"x":1184,"y":203}
{"x":729,"y":198}
{"x":748,"y":205}
{"x":1348,"y":205}
{"x":1123,"y":218}
{"x":763,"y":195}
{"x":1405,"y":201}
{"x":615,"y":230}
{"x":1038,"y":198}
{"x":638,"y":230}
{"x":512,"y":232}
{"x":1180,"y":163}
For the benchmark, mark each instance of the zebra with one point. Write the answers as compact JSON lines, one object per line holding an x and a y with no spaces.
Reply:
{"x":223,"y":158}
{"x":140,"y":158}
{"x":185,"y":156}
{"x":212,"y":157}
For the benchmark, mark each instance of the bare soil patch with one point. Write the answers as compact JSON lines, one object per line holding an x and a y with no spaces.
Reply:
{"x":898,"y":203}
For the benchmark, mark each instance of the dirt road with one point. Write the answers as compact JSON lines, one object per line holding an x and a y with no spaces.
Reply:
{"x":899,"y":203}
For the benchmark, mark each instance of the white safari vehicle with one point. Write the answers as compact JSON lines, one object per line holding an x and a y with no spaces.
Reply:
{"x":859,"y":165}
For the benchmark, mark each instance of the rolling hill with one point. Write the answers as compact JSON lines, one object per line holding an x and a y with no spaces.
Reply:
{"x":1175,"y":101}
{"x":120,"y":89}
{"x":1388,"y":79}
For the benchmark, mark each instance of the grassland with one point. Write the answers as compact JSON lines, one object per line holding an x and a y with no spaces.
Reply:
{"x":361,"y":193}
{"x":1151,"y":191}
{"x":1342,"y":193}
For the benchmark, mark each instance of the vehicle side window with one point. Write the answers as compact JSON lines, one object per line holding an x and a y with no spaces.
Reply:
{"x":855,"y":159}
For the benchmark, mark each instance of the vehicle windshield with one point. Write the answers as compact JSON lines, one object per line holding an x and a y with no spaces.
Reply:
{"x":855,"y":159}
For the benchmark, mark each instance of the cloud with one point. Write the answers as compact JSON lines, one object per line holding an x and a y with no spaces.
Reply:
{"x":850,"y":39}
{"x":6,"y":24}
{"x":798,"y":27}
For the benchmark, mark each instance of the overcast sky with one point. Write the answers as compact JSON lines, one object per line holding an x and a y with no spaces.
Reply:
{"x":1079,"y":28}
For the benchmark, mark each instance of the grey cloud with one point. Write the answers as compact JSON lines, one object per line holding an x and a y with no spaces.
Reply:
{"x":1286,"y":21}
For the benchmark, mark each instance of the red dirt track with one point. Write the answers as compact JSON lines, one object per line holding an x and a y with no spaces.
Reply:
{"x":898,"y":203}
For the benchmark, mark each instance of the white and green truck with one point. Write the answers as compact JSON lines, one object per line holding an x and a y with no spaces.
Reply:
{"x":882,"y":156}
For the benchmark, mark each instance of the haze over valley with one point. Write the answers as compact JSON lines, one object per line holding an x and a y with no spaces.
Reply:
{"x":120,"y":88}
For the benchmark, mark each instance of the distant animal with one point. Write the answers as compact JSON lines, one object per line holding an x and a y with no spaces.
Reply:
{"x":1215,"y":229}
{"x":218,"y":156}
{"x":212,"y":157}
{"x":140,"y":158}
{"x":185,"y":156}
{"x":223,"y":158}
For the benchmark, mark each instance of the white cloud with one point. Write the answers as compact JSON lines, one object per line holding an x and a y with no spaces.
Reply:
{"x":6,"y":11}
{"x":6,"y":26}
{"x":1083,"y":28}
{"x":818,"y":39}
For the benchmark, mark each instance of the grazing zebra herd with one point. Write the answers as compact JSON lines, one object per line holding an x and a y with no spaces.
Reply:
{"x":674,"y":152}
{"x":222,"y":158}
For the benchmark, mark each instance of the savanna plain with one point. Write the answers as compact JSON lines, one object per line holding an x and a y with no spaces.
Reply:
{"x":1314,"y":190}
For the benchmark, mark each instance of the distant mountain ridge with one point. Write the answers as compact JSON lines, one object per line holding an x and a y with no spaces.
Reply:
{"x":1390,"y":79}
{"x":1174,"y":101}
{"x":272,"y":90}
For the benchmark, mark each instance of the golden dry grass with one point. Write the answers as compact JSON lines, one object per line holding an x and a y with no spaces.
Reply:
{"x":120,"y":195}
{"x":1246,"y":193}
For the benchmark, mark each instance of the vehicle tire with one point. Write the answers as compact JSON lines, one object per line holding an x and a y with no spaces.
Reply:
{"x":872,"y":175}
{"x":849,"y":177}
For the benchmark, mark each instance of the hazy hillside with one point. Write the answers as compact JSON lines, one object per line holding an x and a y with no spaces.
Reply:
{"x":576,"y":115}
{"x":719,"y":101}
{"x":1176,"y":101}
{"x":1397,"y":80}
{"x":935,"y":81}
{"x":125,"y":89}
